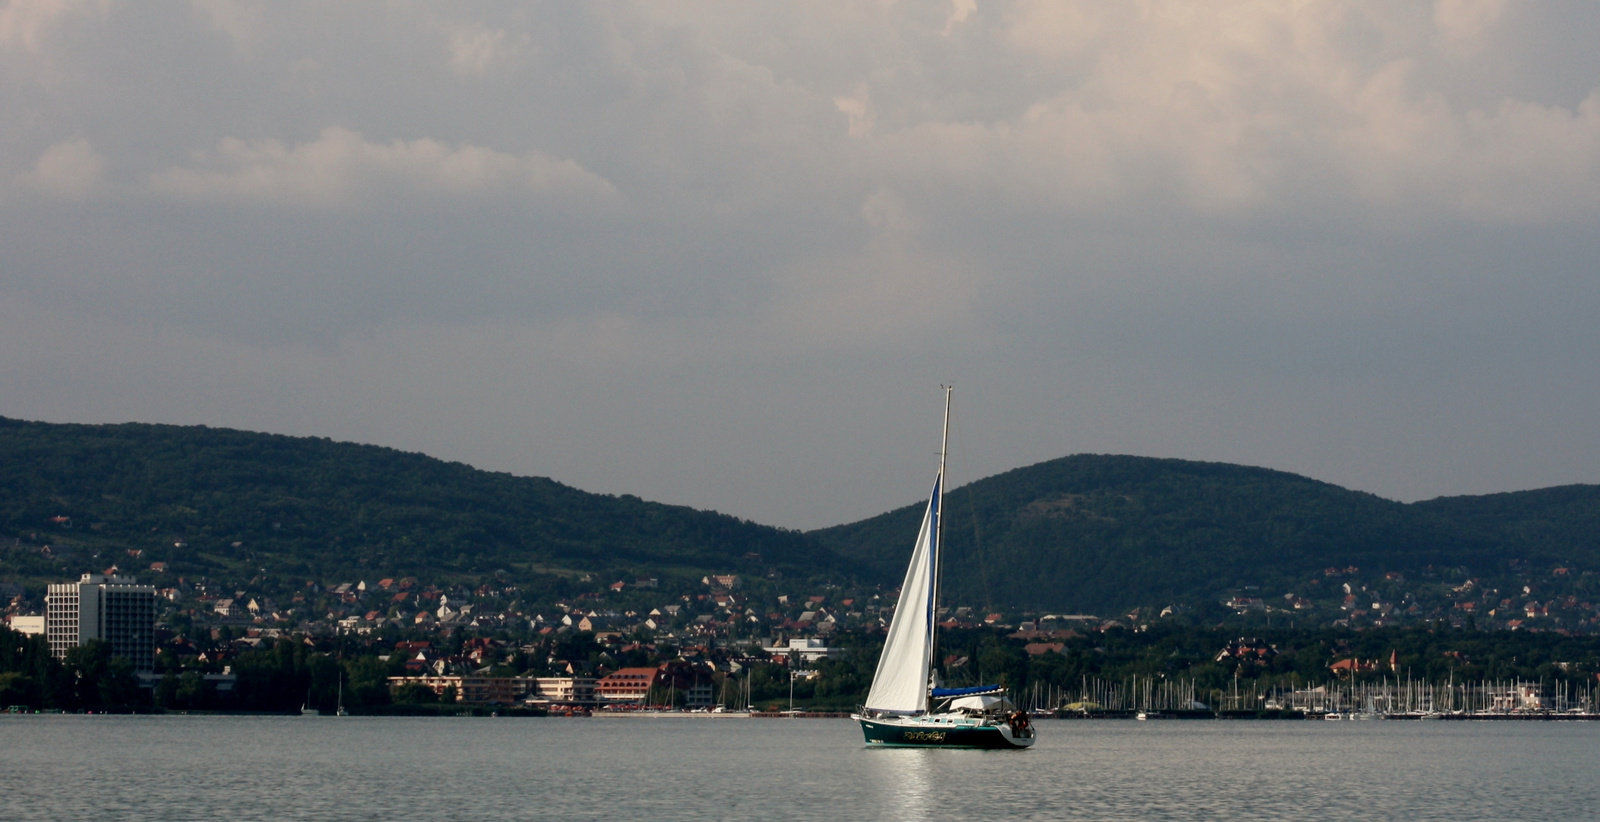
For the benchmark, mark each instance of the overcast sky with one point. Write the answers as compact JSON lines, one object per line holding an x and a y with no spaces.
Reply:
{"x":724,"y":254}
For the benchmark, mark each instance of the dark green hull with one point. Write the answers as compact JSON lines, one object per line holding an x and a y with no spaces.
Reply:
{"x":929,"y":735}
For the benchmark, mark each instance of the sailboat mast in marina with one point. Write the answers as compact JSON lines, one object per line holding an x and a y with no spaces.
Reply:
{"x":904,"y":707}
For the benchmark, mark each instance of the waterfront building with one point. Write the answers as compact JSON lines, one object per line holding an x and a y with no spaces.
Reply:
{"x":27,"y":625}
{"x":566,"y":690}
{"x":805,"y":649}
{"x":628,"y":685}
{"x":495,"y":690}
{"x":473,"y":690}
{"x":116,"y":610}
{"x":698,"y":695}
{"x":667,"y":682}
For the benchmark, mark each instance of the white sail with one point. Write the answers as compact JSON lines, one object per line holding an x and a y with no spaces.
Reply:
{"x":901,"y":682}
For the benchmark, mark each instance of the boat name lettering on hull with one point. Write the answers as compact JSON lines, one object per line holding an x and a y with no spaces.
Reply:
{"x":923,"y":736}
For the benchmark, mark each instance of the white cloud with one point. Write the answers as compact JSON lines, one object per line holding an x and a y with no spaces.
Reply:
{"x":340,"y":168}
{"x":1409,"y":151}
{"x":1057,"y":31}
{"x":475,"y":50}
{"x":1463,"y":23}
{"x":858,"y":110}
{"x":243,"y":23}
{"x":24,"y":22}
{"x":960,"y":10}
{"x":1234,"y":108}
{"x":69,"y":170}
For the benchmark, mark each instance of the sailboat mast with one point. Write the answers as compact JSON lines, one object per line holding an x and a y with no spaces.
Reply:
{"x":938,"y":534}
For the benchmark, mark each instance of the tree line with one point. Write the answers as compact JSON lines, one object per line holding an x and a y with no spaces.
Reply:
{"x":291,"y":672}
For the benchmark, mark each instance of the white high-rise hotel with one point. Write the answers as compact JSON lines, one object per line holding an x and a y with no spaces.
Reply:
{"x":115,"y":609}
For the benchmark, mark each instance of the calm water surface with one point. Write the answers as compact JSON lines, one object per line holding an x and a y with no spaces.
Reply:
{"x":246,"y":768}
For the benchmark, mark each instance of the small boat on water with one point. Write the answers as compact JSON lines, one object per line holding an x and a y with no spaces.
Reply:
{"x":905,"y":707}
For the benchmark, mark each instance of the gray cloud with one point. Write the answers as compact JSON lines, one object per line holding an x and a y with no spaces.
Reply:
{"x":723,"y":254}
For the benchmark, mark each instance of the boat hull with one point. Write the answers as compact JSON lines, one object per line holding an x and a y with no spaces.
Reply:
{"x":891,"y":733}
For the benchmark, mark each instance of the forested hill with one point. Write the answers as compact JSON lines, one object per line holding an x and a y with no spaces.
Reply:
{"x":246,"y":503}
{"x":1086,"y":533}
{"x":1556,"y":524}
{"x":1103,"y":533}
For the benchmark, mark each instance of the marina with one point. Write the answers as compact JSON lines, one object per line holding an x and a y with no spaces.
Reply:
{"x":1151,"y":698}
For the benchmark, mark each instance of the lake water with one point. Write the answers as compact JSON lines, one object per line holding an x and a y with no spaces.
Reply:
{"x":651,"y":769}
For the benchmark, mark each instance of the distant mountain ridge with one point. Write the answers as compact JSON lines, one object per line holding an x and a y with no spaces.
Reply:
{"x":1099,"y":532}
{"x":1083,"y":533}
{"x":313,"y":508}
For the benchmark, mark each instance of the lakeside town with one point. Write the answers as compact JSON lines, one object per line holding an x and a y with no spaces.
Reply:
{"x":730,"y":646}
{"x":1521,"y":596}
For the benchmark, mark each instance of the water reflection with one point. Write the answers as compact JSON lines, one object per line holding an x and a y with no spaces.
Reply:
{"x":906,"y":779}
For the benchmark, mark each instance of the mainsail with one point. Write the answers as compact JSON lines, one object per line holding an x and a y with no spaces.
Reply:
{"x":901,"y":682}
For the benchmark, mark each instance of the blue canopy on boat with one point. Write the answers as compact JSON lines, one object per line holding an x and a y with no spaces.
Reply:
{"x":940,"y":693}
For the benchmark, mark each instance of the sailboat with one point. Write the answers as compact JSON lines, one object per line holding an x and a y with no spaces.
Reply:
{"x":905,"y":707}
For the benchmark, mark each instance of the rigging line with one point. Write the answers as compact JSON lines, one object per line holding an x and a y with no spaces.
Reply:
{"x":972,"y":508}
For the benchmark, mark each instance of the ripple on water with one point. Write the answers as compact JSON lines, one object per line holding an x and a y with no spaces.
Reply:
{"x":247,"y":768}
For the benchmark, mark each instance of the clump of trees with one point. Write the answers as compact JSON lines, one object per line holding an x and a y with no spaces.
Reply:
{"x":88,"y":679}
{"x":281,"y":677}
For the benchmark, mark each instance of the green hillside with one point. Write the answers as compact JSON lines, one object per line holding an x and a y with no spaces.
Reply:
{"x":1105,"y":533}
{"x":1087,"y":533}
{"x":247,"y":504}
{"x":1559,"y":524}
